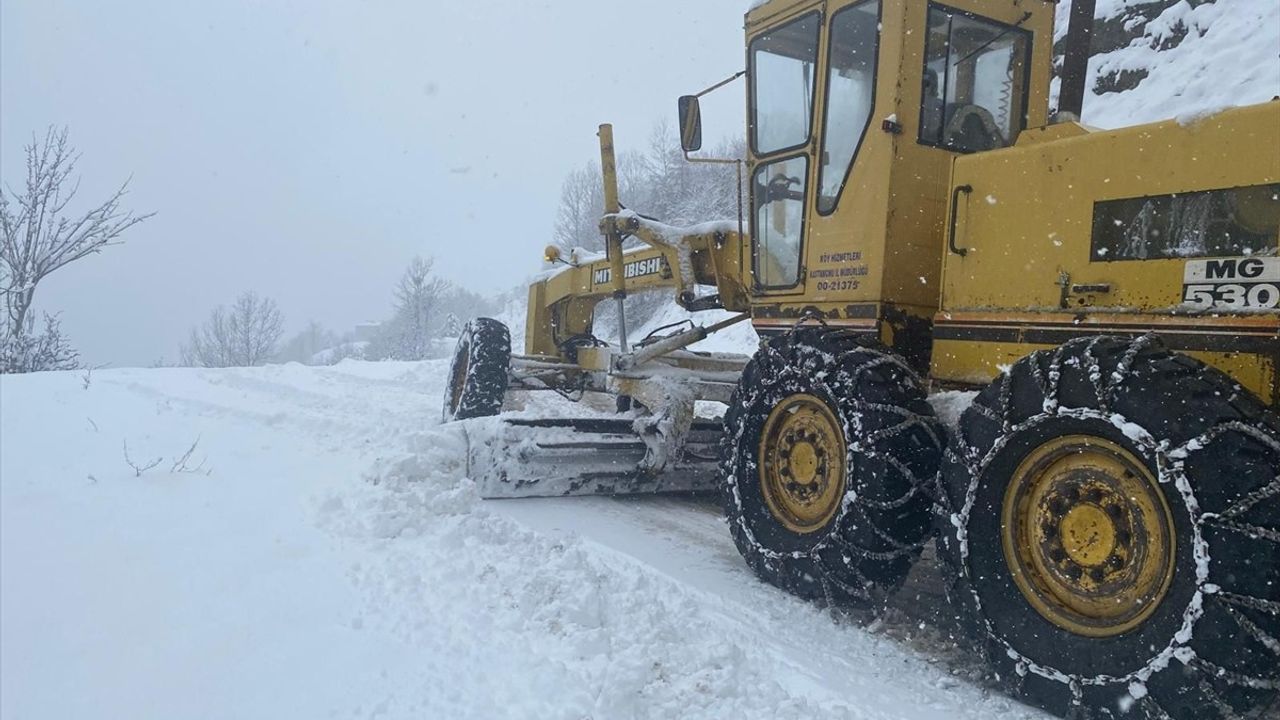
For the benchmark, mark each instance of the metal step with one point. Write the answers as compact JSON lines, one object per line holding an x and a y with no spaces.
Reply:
{"x":523,"y":457}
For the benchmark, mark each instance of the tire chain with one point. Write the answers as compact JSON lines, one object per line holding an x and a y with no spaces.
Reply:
{"x":960,"y":451}
{"x":851,"y":554}
{"x":487,"y":345}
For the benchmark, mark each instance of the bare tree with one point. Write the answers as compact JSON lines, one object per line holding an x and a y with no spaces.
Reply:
{"x":418,"y":297}
{"x":139,"y":467}
{"x":659,"y":182}
{"x":582,"y":201}
{"x":38,"y":236}
{"x":581,"y":205}
{"x":243,"y":335}
{"x":182,"y":464}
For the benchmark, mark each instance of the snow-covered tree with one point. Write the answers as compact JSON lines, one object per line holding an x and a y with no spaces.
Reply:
{"x":582,"y":201}
{"x":342,"y":351}
{"x":37,"y":352}
{"x":243,"y":335}
{"x":452,"y":327}
{"x":409,"y":334}
{"x":463,"y":304}
{"x":304,"y":346}
{"x":679,"y":192}
{"x":660,"y":183}
{"x":38,"y":236}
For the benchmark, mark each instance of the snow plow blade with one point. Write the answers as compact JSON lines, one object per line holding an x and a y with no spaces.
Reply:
{"x":518,"y":458}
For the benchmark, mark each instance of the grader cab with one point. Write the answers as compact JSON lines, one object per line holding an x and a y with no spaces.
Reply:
{"x":1107,"y":508}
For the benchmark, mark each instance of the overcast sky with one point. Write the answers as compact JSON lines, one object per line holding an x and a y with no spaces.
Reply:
{"x":307,"y":149}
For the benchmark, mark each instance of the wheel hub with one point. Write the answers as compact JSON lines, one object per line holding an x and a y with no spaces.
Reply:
{"x":802,"y":463}
{"x":1088,"y":536}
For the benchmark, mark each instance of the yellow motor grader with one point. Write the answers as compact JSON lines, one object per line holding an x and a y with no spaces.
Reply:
{"x":1108,"y":507}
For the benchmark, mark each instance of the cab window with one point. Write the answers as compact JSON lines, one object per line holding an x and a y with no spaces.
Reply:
{"x":851,"y":75}
{"x":974,"y":83}
{"x":782,"y":82}
{"x":1231,"y":222}
{"x":779,"y":195}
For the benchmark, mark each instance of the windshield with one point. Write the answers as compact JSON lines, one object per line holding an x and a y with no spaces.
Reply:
{"x":974,"y":93}
{"x":851,"y":69}
{"x":782,"y":83}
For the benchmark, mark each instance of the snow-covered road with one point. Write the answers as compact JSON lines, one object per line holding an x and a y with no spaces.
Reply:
{"x":335,"y":562}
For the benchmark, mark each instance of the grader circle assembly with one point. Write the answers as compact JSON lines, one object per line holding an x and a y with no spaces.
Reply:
{"x":1107,"y":510}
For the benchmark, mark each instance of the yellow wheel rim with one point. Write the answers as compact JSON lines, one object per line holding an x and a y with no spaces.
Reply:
{"x":1088,"y":536}
{"x":458,"y":383}
{"x":802,"y":463}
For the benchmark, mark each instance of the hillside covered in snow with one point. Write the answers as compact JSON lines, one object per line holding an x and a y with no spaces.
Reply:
{"x":1157,"y":59}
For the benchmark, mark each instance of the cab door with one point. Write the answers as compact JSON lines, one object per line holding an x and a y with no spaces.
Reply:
{"x":782,"y":99}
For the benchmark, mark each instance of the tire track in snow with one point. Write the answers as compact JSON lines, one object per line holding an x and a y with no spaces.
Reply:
{"x":686,"y":539}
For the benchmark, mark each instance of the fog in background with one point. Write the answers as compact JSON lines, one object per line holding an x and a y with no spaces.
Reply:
{"x":309,"y":149}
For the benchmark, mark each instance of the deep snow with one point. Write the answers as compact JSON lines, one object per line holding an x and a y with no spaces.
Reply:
{"x":336,"y":563}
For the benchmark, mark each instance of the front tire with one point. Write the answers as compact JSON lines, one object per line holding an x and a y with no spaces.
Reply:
{"x":477,"y":379}
{"x":1111,"y":519}
{"x":829,"y":448}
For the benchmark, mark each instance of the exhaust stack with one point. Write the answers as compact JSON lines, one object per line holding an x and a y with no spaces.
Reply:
{"x":1075,"y":63}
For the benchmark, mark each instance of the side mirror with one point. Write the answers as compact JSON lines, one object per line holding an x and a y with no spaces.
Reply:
{"x":690,"y":124}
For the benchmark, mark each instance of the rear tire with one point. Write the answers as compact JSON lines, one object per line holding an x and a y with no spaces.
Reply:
{"x":832,"y":503}
{"x":1207,"y":642}
{"x":477,"y":379}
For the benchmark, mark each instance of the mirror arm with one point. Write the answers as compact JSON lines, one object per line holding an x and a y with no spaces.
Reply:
{"x":718,"y":161}
{"x":721,"y":84}
{"x":714,"y":161}
{"x":740,"y":165}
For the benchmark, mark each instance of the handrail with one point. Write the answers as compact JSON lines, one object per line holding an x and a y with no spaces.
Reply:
{"x":955,"y":212}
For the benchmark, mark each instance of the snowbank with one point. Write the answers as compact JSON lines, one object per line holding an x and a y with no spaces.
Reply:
{"x":337,"y":563}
